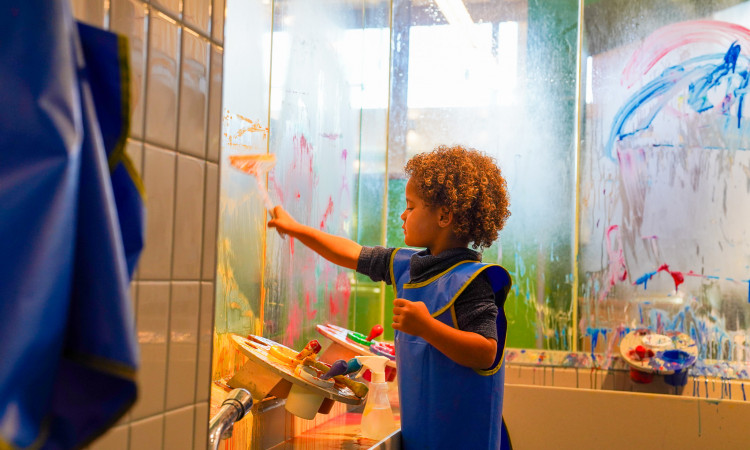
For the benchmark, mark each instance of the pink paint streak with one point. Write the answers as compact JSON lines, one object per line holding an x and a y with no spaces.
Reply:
{"x":344,"y":289}
{"x":328,"y":212}
{"x":671,"y":37}
{"x":274,"y":186}
{"x":617,"y":270}
{"x":331,"y":136}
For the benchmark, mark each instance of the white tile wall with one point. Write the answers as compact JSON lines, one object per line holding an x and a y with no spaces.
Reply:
{"x":90,"y":11}
{"x":217,"y":15}
{"x":188,"y":226}
{"x":130,"y":18}
{"x":176,"y":51}
{"x":205,"y":341}
{"x":183,"y":343}
{"x":214,"y":103}
{"x":153,"y":326}
{"x":211,"y":214}
{"x":201,"y":426}
{"x":193,"y":94}
{"x":172,"y":7}
{"x":197,"y":14}
{"x":176,"y":428}
{"x":115,"y":439}
{"x":162,"y":72}
{"x":147,"y":433}
{"x":159,"y":180}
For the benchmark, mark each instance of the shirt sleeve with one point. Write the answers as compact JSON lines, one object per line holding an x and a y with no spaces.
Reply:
{"x":476,"y":310}
{"x":375,"y":262}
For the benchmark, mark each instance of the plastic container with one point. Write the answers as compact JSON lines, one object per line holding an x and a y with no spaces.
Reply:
{"x":377,"y":418}
{"x":304,"y":402}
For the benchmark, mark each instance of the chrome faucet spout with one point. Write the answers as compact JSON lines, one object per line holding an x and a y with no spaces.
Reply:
{"x":233,"y":409}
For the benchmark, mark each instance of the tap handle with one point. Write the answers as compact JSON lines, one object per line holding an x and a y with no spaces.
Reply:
{"x":240,"y":399}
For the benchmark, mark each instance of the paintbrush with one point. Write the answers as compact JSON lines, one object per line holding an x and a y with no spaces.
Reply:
{"x":258,"y":166}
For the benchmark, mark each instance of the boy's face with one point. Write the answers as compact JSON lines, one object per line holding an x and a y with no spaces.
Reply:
{"x":421,"y":222}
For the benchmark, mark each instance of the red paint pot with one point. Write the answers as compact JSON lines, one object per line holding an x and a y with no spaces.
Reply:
{"x":641,"y":377}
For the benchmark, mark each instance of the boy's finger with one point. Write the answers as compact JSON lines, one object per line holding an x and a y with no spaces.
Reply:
{"x":400,"y":302}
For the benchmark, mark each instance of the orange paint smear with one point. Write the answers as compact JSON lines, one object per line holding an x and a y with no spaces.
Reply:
{"x":256,"y":165}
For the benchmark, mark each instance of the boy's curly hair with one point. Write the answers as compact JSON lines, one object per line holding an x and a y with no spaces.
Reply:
{"x":469,"y":183}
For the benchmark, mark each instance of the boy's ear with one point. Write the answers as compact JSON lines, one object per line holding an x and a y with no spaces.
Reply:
{"x":446,"y":216}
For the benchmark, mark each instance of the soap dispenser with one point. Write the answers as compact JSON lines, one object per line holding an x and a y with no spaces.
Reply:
{"x":377,"y":419}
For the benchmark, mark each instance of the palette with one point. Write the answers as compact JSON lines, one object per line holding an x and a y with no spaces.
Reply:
{"x":669,"y":354}
{"x":271,"y":372}
{"x":344,"y":348}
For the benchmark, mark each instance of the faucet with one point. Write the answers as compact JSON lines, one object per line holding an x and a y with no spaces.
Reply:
{"x":234,"y":408}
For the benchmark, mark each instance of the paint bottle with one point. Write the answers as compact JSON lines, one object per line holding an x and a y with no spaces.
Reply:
{"x":377,"y":419}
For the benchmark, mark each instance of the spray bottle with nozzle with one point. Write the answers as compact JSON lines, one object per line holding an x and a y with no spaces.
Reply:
{"x":377,"y":419}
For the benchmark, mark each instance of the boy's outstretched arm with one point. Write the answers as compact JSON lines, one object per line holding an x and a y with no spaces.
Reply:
{"x":462,"y":347}
{"x":339,"y":250}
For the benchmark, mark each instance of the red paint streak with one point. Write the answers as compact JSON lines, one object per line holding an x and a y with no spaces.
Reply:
{"x":294,"y":327}
{"x":678,"y":277}
{"x":332,"y":305}
{"x":328,"y":212}
{"x":344,"y":154}
{"x":309,"y":312}
{"x":304,"y":152}
{"x":344,"y":289}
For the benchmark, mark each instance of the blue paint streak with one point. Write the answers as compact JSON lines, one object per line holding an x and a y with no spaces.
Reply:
{"x":699,"y":80}
{"x":644,"y":279}
{"x":698,"y":98}
{"x":742,"y":385}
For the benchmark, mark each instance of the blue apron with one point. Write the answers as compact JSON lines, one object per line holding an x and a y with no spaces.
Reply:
{"x":444,"y":404}
{"x":71,"y":223}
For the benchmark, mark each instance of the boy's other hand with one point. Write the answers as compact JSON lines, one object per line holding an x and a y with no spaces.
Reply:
{"x":282,"y":221}
{"x":410,"y":317}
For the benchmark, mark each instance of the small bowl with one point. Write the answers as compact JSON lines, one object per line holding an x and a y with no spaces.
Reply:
{"x":302,"y":401}
{"x":283,"y":354}
{"x":657,"y":342}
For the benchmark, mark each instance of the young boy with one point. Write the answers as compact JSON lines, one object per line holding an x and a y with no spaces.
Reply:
{"x":448,"y":316}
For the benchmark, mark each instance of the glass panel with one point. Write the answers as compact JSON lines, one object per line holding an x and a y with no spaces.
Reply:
{"x":316,"y":95}
{"x":486,"y":75}
{"x":368,"y":307}
{"x":241,"y":228}
{"x":664,"y":176}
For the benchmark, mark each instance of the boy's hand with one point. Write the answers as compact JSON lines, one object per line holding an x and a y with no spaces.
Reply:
{"x":282,"y":221}
{"x":410,"y":317}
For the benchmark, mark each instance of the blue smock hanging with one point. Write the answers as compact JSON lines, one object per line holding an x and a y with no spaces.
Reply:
{"x":71,"y":230}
